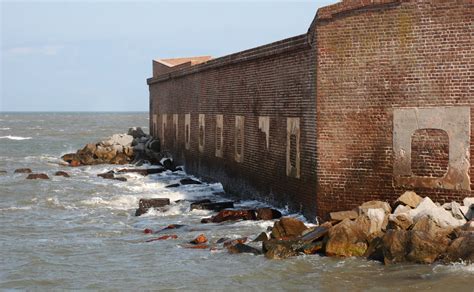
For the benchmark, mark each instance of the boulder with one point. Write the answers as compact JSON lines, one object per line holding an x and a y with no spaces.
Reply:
{"x":401,"y":209}
{"x":365,"y":207}
{"x":374,"y":250}
{"x":232,"y":215}
{"x":456,"y":211}
{"x":70,"y":157}
{"x":145,"y":204}
{"x":346,"y":239}
{"x":399,"y":222}
{"x":243,"y":248}
{"x":200,"y":239}
{"x":312,"y":247}
{"x":154,"y":146}
{"x":316,"y":233}
{"x":395,"y":246}
{"x":468,"y":202}
{"x":267,"y":214}
{"x":281,"y":249}
{"x":118,"y":139}
{"x":129,"y":151}
{"x":212,"y":206}
{"x":120,"y":158}
{"x":341,"y":215}
{"x":136,"y":132}
{"x":37,"y":176}
{"x":410,"y":199}
{"x":62,"y":173}
{"x":442,"y":217}
{"x":372,"y":220}
{"x":107,"y":175}
{"x":425,"y":248}
{"x":189,"y":181}
{"x":23,"y":170}
{"x":461,"y":249}
{"x":262,"y":237}
{"x":288,"y":227}
{"x":172,"y":186}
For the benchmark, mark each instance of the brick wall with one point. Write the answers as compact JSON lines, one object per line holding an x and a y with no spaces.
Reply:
{"x":240,"y":107}
{"x":372,"y":60}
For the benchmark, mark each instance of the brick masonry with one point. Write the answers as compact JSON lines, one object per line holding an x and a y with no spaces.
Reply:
{"x":308,"y":122}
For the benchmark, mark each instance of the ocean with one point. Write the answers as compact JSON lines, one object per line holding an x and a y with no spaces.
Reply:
{"x":81,"y":232}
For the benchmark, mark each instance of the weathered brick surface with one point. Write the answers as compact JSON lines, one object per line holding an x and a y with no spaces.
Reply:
{"x":358,"y":62}
{"x":370,"y":61}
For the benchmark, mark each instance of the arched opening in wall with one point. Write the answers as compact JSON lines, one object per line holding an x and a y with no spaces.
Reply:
{"x":264,"y":133}
{"x":429,"y":152}
{"x":219,"y":134}
{"x":175,"y":126}
{"x":239,"y":138}
{"x":187,"y":131}
{"x":202,"y":132}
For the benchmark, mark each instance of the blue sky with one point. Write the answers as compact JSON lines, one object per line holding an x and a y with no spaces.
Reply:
{"x":96,"y":56}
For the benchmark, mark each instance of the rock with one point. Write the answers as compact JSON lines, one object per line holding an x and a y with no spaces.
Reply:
{"x":399,"y":222}
{"x":37,"y":176}
{"x":312,"y":247}
{"x":401,"y":209}
{"x":107,"y":175}
{"x":262,"y":237}
{"x":172,"y":186}
{"x":140,"y":171}
{"x":341,"y":215}
{"x":288,"y":227}
{"x":145,"y":204}
{"x":155,"y":146}
{"x":119,"y":139}
{"x":346,"y":239}
{"x":267,"y":214}
{"x":316,"y":233}
{"x":148,"y":231}
{"x":23,"y":170}
{"x":170,"y":227}
{"x":426,"y":248}
{"x":372,"y":220}
{"x":232,"y":215}
{"x":189,"y":181}
{"x":2,"y":172}
{"x":461,"y":249}
{"x":164,"y":237}
{"x":467,"y":212}
{"x":70,"y":157}
{"x":120,"y":178}
{"x":120,"y":158}
{"x":104,"y":153}
{"x":442,"y":217}
{"x":374,"y":250}
{"x":231,"y":242}
{"x":195,"y":246}
{"x":75,"y":163}
{"x":395,"y":246}
{"x":62,"y":173}
{"x":212,"y":206}
{"x":200,"y":239}
{"x":468,"y":202}
{"x":281,"y":249}
{"x":136,"y":132}
{"x":243,"y":248}
{"x":365,"y":207}
{"x":456,"y":211}
{"x":410,"y":199}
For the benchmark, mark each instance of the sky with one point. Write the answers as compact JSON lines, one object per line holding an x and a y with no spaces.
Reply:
{"x":97,"y":55}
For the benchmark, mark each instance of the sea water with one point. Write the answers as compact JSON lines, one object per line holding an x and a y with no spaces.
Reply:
{"x":81,"y":232}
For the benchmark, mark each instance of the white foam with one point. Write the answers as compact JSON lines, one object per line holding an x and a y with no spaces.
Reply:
{"x":15,"y":208}
{"x":15,"y":137}
{"x":122,"y":202}
{"x":4,"y":129}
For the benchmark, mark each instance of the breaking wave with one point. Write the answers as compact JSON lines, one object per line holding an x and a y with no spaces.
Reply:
{"x":15,"y":137}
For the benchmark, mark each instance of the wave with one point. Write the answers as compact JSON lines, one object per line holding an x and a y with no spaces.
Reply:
{"x":15,"y":137}
{"x":4,"y":129}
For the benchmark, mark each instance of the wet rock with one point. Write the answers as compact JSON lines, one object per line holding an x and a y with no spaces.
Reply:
{"x":346,"y":239}
{"x":195,"y":246}
{"x":200,"y":239}
{"x":233,"y":215}
{"x":410,"y":199}
{"x":136,"y":132}
{"x":395,"y":246}
{"x":145,"y":204}
{"x":365,"y":207}
{"x":37,"y":176}
{"x":267,"y":214}
{"x":374,"y":250}
{"x":425,"y":248}
{"x":168,"y":164}
{"x":62,"y":173}
{"x":461,"y":250}
{"x":281,"y":249}
{"x":189,"y":181}
{"x":170,"y":227}
{"x":243,"y":248}
{"x":288,"y":227}
{"x":399,"y":222}
{"x":222,"y":240}
{"x":262,"y":237}
{"x":148,"y":231}
{"x":212,"y":206}
{"x":155,"y":146}
{"x":231,"y":242}
{"x":341,"y":215}
{"x":316,"y":233}
{"x":172,"y":186}
{"x":164,"y":237}
{"x":74,"y":163}
{"x":312,"y":247}
{"x":23,"y":170}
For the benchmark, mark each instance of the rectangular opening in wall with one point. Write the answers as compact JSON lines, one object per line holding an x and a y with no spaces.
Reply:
{"x":264,"y":133}
{"x":154,"y":129}
{"x":187,"y":131}
{"x":293,"y":147}
{"x":202,"y":132}
{"x":219,"y":134}
{"x":164,"y":119}
{"x":175,"y":126}
{"x":239,"y":138}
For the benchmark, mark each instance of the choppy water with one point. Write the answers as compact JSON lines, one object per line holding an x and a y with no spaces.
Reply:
{"x":81,"y":232}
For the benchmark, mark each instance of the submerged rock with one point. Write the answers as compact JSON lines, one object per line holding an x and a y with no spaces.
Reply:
{"x":189,"y":181}
{"x":200,"y":239}
{"x":23,"y":170}
{"x":242,"y":248}
{"x":164,"y":237}
{"x":145,"y":204}
{"x":231,"y":242}
{"x":212,"y":206}
{"x":37,"y":176}
{"x":231,"y":215}
{"x":281,"y":249}
{"x":62,"y":173}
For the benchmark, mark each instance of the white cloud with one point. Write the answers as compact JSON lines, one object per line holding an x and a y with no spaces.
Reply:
{"x":48,"y":50}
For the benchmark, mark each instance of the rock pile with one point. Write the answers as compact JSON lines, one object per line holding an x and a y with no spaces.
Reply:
{"x":133,"y":147}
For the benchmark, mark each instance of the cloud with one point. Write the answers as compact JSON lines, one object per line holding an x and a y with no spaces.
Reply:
{"x":48,"y":50}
